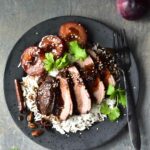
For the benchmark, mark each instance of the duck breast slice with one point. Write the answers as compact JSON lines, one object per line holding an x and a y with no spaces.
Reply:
{"x":91,"y":77}
{"x":82,"y":96}
{"x":66,"y":97}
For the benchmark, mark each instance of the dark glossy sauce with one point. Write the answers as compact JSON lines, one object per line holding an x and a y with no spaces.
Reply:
{"x":74,"y":31}
{"x":106,"y":60}
{"x":74,"y":34}
{"x":59,"y":103}
{"x":88,"y":74}
{"x":73,"y":97}
{"x":95,"y":84}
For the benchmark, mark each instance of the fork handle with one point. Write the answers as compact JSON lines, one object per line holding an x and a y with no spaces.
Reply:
{"x":131,"y":114}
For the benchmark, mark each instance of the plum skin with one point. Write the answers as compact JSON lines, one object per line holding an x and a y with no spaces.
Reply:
{"x":132,"y":9}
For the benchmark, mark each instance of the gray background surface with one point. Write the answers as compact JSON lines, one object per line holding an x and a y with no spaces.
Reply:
{"x":17,"y":16}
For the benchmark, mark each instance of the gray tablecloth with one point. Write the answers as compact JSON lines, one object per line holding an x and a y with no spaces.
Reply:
{"x":17,"y":16}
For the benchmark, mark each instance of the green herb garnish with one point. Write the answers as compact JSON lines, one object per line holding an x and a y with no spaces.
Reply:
{"x":110,"y":90}
{"x":62,"y":62}
{"x":48,"y":62}
{"x":119,"y":96}
{"x":75,"y":50}
{"x":114,"y":114}
{"x":75,"y":53}
{"x":122,"y":98}
{"x":105,"y":109}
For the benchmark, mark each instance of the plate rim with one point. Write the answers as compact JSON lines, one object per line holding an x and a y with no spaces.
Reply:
{"x":53,"y":18}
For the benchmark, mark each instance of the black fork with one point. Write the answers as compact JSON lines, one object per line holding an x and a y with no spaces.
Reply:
{"x":123,"y":54}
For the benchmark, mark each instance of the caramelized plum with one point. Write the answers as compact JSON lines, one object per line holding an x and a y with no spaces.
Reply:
{"x":73,"y":31}
{"x":31,"y":61}
{"x":52,"y":43}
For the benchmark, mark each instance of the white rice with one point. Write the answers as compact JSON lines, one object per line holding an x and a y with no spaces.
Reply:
{"x":72,"y":124}
{"x":29,"y":88}
{"x":79,"y":123}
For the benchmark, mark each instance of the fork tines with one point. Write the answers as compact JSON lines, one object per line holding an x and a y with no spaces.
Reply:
{"x":121,"y":47}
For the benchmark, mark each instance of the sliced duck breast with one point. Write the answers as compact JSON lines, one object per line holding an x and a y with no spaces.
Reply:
{"x":104,"y":72}
{"x":82,"y":96}
{"x":98,"y":90}
{"x":108,"y":78}
{"x":66,"y":97}
{"x":46,"y":95}
{"x":91,"y":77}
{"x":96,"y":59}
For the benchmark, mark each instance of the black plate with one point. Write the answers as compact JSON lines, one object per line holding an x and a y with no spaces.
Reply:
{"x":98,"y":32}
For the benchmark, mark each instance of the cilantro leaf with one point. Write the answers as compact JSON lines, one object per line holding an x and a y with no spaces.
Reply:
{"x":110,"y":89}
{"x":78,"y":52}
{"x":113,"y":95}
{"x":114,"y":114}
{"x":117,"y":94}
{"x":122,"y":98}
{"x":75,"y":53}
{"x":104,"y":109}
{"x":62,"y":62}
{"x":48,"y":61}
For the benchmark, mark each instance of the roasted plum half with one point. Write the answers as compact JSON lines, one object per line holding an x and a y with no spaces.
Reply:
{"x":71,"y":31}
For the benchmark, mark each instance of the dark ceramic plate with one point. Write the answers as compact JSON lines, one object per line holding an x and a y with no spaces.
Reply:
{"x":98,"y":32}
